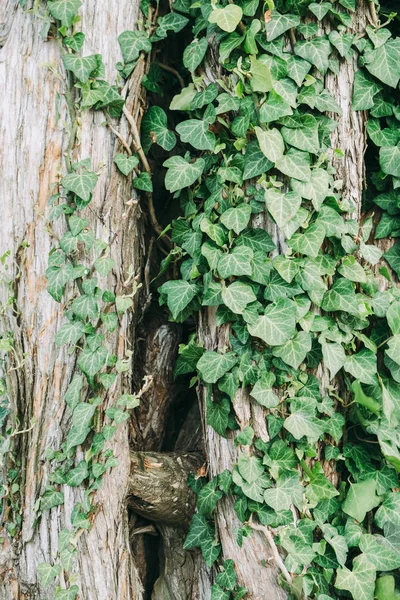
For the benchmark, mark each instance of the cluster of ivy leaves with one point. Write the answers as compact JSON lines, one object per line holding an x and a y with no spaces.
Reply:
{"x":251,"y":146}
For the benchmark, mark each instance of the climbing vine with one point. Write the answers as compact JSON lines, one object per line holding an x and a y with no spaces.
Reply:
{"x":268,"y":244}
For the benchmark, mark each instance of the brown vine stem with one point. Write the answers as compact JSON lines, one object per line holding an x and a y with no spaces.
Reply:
{"x":271,"y":542}
{"x":174,"y":71}
{"x":119,"y":136}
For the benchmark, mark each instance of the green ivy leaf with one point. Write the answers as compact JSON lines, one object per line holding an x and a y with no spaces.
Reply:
{"x":237,"y":218}
{"x":277,"y":325}
{"x":126,"y":164}
{"x":132,"y":43}
{"x":250,"y":467}
{"x":80,"y":429}
{"x":389,"y":160}
{"x":302,"y":421}
{"x":295,"y":165}
{"x":360,"y":499}
{"x":217,"y":415}
{"x":91,"y":361}
{"x":316,"y":52}
{"x":282,"y":207}
{"x":309,"y":242}
{"x":194,"y":53}
{"x":303,"y":138}
{"x":279,"y":24}
{"x":295,"y":350}
{"x":57,"y":278}
{"x":237,"y":262}
{"x":334,"y":356}
{"x":179,"y":294}
{"x":364,"y":91}
{"x":50,"y":499}
{"x":48,"y":572}
{"x":362,"y":366}
{"x":70,"y":333}
{"x":81,"y":66}
{"x":320,"y":10}
{"x":197,"y":134}
{"x":208,"y":498}
{"x":64,"y":10}
{"x":227,"y":578}
{"x":379,"y":553}
{"x":384,"y":62}
{"x":271,"y":143}
{"x":237,"y":296}
{"x":182,"y":174}
{"x":217,"y":593}
{"x":81,"y":184}
{"x":76,"y":476}
{"x":155,"y":130}
{"x":227,"y":18}
{"x":341,"y":297}
{"x":288,"y":491}
{"x":213,"y":365}
{"x":360,"y":582}
{"x":262,"y":392}
{"x":316,"y":189}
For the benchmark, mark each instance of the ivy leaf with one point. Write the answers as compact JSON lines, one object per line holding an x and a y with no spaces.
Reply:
{"x":393,"y":258}
{"x":198,"y":533}
{"x":275,"y":107}
{"x":81,"y":184}
{"x":384,"y":62}
{"x":261,"y":80}
{"x":389,"y":160}
{"x":294,"y":165}
{"x":320,"y":10}
{"x":316,"y":189}
{"x":57,"y":278}
{"x":271,"y":143}
{"x":342,"y":42}
{"x":277,"y":325}
{"x":250,"y":467}
{"x":132,"y":43}
{"x":227,"y":578}
{"x":194,"y":53}
{"x":237,"y":296}
{"x":217,"y":593}
{"x":379,"y":553}
{"x":320,"y":488}
{"x":255,"y":163}
{"x":362,"y":366}
{"x":227,"y":18}
{"x":81,"y":66}
{"x":364,"y":91}
{"x":352,"y":270}
{"x":303,"y":138}
{"x":237,"y":262}
{"x":155,"y":130}
{"x":360,"y":582}
{"x":48,"y":572}
{"x":196,"y":133}
{"x":341,"y":296}
{"x":302,"y":421}
{"x":360,"y":499}
{"x":73,"y":393}
{"x":213,"y":365}
{"x":282,"y":207}
{"x":64,"y":10}
{"x":205,"y":97}
{"x":310,"y":242}
{"x":170,"y":22}
{"x":103,"y":265}
{"x":295,"y":350}
{"x":334,"y":357}
{"x":385,"y":588}
{"x":80,"y":429}
{"x":316,"y":52}
{"x":262,"y":392}
{"x":278,"y":24}
{"x":69,"y":333}
{"x":297,"y":69}
{"x":208,"y":498}
{"x":76,"y":476}
{"x":257,"y":239}
{"x":237,"y":218}
{"x":288,"y":491}
{"x":143,"y":182}
{"x":179,"y":294}
{"x":50,"y":499}
{"x":182,"y":174}
{"x":91,"y":361}
{"x":217,"y":415}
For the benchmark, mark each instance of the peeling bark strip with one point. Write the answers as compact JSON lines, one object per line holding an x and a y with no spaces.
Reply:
{"x":157,"y":486}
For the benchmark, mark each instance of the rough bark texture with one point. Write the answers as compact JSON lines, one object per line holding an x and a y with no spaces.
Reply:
{"x":33,"y":138}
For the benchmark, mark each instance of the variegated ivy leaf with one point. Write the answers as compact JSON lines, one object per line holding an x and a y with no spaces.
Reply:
{"x":81,"y":66}
{"x":352,"y":270}
{"x":271,"y":143}
{"x":132,"y":43}
{"x":393,"y":350}
{"x":81,"y":184}
{"x":205,"y":97}
{"x":91,"y":361}
{"x":286,"y":267}
{"x":196,"y":133}
{"x":57,"y":279}
{"x":316,"y":52}
{"x":342,"y":42}
{"x":295,"y":164}
{"x":362,"y":366}
{"x":295,"y":350}
{"x":279,"y":24}
{"x":298,"y":68}
{"x":277,"y":325}
{"x":309,"y":242}
{"x":73,"y":393}
{"x":379,"y":552}
{"x":227,"y":578}
{"x":393,"y":317}
{"x":208,"y":498}
{"x":64,"y":10}
{"x":213,"y":365}
{"x":275,"y":107}
{"x":172,"y":21}
{"x":257,"y":239}
{"x":341,"y":296}
{"x":81,"y":418}
{"x":182,"y":174}
{"x":227,"y":18}
{"x":237,"y":262}
{"x":228,"y":44}
{"x":282,"y":207}
{"x":76,"y":476}
{"x":320,"y":10}
{"x":236,"y":218}
{"x":389,"y":160}
{"x":155,"y":130}
{"x":179,"y":295}
{"x":237,"y":296}
{"x":255,"y":162}
{"x":384,"y":62}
